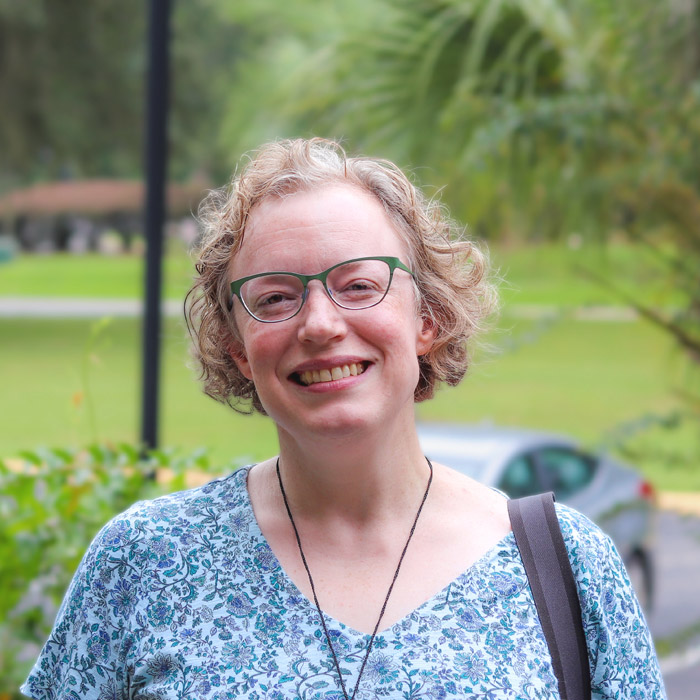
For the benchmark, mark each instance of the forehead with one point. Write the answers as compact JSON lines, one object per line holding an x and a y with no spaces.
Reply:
{"x":313,"y":229}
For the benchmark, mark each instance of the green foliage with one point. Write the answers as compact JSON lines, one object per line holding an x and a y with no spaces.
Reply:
{"x":74,"y":75}
{"x":52,"y":503}
{"x":540,"y":120}
{"x":69,"y":70}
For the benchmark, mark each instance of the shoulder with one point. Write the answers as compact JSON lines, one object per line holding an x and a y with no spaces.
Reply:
{"x":620,"y":647}
{"x":154,"y":543}
{"x":458,"y":505}
{"x":152,"y":533}
{"x":458,"y":494}
{"x":594,"y":558}
{"x":151,"y":536}
{"x":225,"y":491}
{"x":582,"y":535}
{"x":595,"y":562}
{"x":217,"y":503}
{"x":141,"y":575}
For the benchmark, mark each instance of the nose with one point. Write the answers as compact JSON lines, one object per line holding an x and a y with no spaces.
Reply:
{"x":321,"y":320}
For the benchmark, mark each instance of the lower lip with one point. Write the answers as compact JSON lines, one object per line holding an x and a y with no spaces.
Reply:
{"x":334,"y":384}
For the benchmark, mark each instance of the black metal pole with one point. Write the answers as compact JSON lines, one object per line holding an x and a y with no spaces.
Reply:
{"x":156,"y":157}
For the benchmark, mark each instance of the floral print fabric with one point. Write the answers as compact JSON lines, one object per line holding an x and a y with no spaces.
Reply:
{"x":181,"y":597}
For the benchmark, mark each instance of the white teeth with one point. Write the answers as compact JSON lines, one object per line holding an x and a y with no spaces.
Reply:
{"x":326,"y":375}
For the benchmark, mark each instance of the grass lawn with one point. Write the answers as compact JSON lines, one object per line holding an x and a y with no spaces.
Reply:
{"x":43,"y":372}
{"x":580,"y":378}
{"x":556,"y":275}
{"x":91,"y":275}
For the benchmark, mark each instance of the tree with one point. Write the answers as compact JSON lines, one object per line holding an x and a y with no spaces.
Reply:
{"x":72,"y":81}
{"x":71,"y":74}
{"x":539,"y":119}
{"x":534,"y":116}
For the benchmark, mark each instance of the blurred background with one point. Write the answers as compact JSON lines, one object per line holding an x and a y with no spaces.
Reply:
{"x":566,"y":136}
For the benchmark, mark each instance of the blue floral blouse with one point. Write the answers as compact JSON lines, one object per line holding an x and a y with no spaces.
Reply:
{"x":181,"y":597}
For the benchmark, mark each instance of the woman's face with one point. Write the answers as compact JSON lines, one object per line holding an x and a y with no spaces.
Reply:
{"x":307,"y":233}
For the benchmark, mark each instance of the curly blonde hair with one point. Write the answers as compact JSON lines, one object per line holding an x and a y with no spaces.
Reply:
{"x":450,"y":271}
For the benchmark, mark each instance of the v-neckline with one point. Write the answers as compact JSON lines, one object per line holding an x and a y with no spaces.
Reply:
{"x":507,"y":542}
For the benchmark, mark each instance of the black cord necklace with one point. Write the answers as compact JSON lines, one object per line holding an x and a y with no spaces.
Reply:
{"x":388,"y":593}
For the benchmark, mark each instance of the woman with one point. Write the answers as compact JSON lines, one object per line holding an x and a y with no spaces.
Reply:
{"x":332,"y":296}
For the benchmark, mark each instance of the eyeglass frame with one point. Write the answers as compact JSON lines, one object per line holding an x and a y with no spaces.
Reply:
{"x":392,"y":262}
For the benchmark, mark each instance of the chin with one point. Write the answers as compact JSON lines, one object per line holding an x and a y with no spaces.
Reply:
{"x":329,"y":424}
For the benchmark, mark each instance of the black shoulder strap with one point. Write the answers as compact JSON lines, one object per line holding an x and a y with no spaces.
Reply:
{"x":541,"y":544}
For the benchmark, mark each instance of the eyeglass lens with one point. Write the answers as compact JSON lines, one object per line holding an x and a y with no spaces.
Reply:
{"x":353,"y":285}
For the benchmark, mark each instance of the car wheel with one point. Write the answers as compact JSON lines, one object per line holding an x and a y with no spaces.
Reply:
{"x":640,"y":572}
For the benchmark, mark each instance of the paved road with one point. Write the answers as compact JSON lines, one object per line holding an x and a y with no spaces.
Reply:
{"x":683,"y":685}
{"x":70,"y":307}
{"x":677,"y":604}
{"x":56,"y":307}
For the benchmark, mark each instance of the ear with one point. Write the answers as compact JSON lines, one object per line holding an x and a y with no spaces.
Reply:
{"x":425,"y":337}
{"x":237,"y":353}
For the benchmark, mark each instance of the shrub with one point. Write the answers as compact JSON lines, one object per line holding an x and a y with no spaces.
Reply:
{"x":52,"y":503}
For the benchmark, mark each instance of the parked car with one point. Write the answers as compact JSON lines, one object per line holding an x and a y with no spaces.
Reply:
{"x":522,"y":462}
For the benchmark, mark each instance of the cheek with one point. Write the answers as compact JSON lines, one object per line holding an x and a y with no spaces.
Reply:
{"x":401,"y":340}
{"x":415,"y":331}
{"x":258,"y":350}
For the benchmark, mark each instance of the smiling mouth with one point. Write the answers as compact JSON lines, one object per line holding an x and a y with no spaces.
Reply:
{"x":330,"y":374}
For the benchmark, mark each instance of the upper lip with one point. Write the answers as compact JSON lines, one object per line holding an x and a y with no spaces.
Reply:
{"x":327,"y":363}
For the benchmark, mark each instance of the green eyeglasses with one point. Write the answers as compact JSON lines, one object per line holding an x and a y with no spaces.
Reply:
{"x":271,"y":297}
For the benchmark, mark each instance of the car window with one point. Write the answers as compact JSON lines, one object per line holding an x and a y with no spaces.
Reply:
{"x":566,"y":471}
{"x":519,"y":478}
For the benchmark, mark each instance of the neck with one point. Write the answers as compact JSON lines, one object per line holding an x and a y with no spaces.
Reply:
{"x":361,"y":480}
